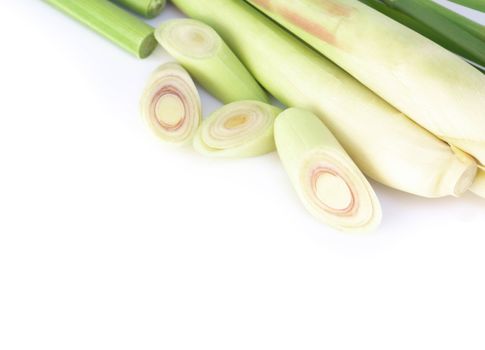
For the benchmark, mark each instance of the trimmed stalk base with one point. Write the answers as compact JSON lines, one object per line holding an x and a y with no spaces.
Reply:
{"x":478,"y":186}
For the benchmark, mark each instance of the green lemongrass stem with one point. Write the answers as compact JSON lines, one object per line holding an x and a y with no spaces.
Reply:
{"x":209,"y":60}
{"x":326,"y":179}
{"x":146,"y":8}
{"x":385,"y":144}
{"x":474,"y":28}
{"x":478,"y":186}
{"x":239,"y":129}
{"x":426,"y":12}
{"x":171,"y":104}
{"x":473,"y":4}
{"x":107,"y":19}
{"x":406,"y":20}
{"x":470,"y":26}
{"x":445,"y":40}
{"x":431,"y":85}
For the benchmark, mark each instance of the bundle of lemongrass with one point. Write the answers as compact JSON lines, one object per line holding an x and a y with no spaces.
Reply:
{"x":375,"y":98}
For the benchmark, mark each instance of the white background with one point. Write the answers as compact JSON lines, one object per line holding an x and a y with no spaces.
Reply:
{"x":111,"y":240}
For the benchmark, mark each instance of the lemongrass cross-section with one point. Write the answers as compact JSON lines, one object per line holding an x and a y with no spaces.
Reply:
{"x":171,"y":104}
{"x":209,"y":60}
{"x":326,"y":179}
{"x":239,"y":129}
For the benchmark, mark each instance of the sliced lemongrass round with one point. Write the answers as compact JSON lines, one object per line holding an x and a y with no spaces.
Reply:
{"x":209,"y":60}
{"x":239,"y":129}
{"x":478,"y":186}
{"x":171,"y":104}
{"x":327,"y":181}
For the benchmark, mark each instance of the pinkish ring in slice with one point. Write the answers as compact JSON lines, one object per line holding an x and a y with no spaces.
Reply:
{"x":326,"y":179}
{"x":171,"y":104}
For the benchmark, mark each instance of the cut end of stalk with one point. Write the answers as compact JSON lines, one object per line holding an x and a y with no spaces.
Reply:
{"x":461,"y":173}
{"x":478,"y":186}
{"x":201,"y":50}
{"x":336,"y":194}
{"x":465,"y":181}
{"x":147,"y":46}
{"x":189,"y":37}
{"x":171,"y":104}
{"x":155,"y":7}
{"x":327,"y":181}
{"x":239,"y":129}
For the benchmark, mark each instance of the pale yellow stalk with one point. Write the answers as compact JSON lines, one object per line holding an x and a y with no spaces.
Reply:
{"x":431,"y":85}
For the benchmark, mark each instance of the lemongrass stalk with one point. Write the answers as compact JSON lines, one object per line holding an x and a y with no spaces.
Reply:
{"x":473,"y":4}
{"x":326,"y":179}
{"x":470,"y":26}
{"x":478,"y":186}
{"x":171,"y":104}
{"x":209,"y":60}
{"x":107,"y":19}
{"x":426,"y":11}
{"x":446,"y":39}
{"x":146,"y":8}
{"x":385,"y":144}
{"x":239,"y":129}
{"x":430,"y":85}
